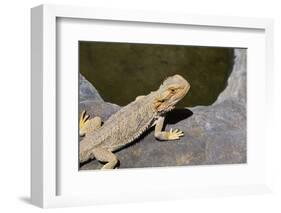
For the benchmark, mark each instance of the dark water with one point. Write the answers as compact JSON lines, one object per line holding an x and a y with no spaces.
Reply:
{"x":122,"y":71}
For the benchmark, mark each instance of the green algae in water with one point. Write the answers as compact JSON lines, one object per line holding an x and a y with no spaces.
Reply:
{"x":123,"y":71}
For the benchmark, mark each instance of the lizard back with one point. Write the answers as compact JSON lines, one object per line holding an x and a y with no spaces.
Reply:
{"x":121,"y":128}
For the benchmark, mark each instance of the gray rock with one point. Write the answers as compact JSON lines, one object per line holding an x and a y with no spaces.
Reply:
{"x":214,"y":134}
{"x":236,"y":87}
{"x":87,"y":91}
{"x":98,"y":108}
{"x":222,"y":127}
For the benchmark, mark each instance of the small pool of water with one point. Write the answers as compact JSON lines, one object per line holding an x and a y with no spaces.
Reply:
{"x":122,"y":71}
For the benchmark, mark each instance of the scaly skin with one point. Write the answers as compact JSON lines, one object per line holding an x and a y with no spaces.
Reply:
{"x":130,"y":122}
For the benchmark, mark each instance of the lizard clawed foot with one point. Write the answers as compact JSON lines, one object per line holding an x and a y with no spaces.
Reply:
{"x":88,"y":125}
{"x":175,"y":134}
{"x":83,"y":122}
{"x":83,"y":119}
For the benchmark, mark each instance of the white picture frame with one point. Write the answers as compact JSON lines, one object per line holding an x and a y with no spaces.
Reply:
{"x":44,"y":151}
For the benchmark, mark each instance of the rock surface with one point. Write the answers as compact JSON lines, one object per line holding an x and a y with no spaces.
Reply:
{"x":214,"y":134}
{"x":98,"y":108}
{"x":87,"y":91}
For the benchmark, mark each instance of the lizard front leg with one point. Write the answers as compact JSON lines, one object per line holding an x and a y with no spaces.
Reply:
{"x":88,"y":125}
{"x":104,"y":155}
{"x":163,"y":135}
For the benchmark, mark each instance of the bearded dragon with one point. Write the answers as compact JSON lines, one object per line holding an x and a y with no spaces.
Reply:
{"x":126,"y":125}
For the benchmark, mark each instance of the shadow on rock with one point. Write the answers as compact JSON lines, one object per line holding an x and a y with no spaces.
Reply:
{"x":177,"y":115}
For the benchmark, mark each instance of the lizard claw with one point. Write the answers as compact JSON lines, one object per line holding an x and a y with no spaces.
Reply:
{"x":83,"y":121}
{"x":175,"y":134}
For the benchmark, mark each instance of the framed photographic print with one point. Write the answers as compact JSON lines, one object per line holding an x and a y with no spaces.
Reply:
{"x":149,"y":106}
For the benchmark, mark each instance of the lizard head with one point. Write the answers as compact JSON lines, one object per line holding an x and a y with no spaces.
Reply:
{"x":172,"y":90}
